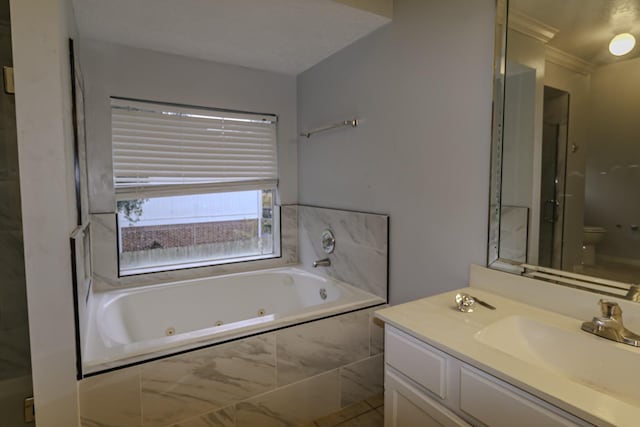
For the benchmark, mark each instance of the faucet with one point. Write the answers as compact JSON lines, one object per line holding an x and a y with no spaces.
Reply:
{"x":326,"y":262}
{"x":634,"y":293}
{"x":610,"y":326}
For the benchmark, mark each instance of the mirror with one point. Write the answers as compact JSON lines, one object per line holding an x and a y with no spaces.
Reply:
{"x":566,"y":143}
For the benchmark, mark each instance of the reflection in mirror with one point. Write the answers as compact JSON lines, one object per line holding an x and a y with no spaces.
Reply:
{"x":568,"y":188}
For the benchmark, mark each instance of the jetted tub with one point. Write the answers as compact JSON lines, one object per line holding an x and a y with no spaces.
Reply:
{"x":131,"y":325}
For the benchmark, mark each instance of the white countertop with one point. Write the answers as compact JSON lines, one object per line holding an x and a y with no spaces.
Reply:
{"x":436,"y":321}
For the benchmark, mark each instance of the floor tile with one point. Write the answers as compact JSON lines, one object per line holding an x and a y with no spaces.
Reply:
{"x":225,"y":417}
{"x":376,"y":401}
{"x":344,"y":414}
{"x":361,"y":380}
{"x":369,"y":419}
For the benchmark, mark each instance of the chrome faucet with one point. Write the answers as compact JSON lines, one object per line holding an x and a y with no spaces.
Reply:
{"x":634,"y":293}
{"x":610,"y":326}
{"x":326,"y":262}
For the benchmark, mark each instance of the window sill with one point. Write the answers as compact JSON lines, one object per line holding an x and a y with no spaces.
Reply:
{"x":191,"y":265}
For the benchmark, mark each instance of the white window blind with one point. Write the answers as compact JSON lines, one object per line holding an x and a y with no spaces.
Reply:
{"x":161,"y":149}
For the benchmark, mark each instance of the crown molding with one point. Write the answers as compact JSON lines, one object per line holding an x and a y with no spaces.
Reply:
{"x":568,"y":61}
{"x":531,"y":27}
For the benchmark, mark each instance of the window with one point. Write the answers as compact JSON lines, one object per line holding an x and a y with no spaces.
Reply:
{"x":194,"y":186}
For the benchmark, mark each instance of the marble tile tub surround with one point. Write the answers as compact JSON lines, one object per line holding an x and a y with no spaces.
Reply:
{"x":105,"y":255}
{"x":360,"y":257}
{"x":81,"y":259}
{"x":255,"y":381}
{"x":362,"y":244}
{"x":514,"y":229}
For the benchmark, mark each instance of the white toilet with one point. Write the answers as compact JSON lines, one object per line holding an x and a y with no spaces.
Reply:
{"x":591,"y":236}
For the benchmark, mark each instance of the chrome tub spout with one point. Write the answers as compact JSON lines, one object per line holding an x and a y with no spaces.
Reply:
{"x":326,"y":262}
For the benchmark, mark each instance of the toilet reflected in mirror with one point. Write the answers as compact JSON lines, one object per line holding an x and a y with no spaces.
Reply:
{"x":591,"y":236}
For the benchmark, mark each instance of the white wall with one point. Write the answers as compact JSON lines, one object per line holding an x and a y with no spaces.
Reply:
{"x":40,"y":30}
{"x":115,"y":70}
{"x":422,"y":88}
{"x":613,"y":162}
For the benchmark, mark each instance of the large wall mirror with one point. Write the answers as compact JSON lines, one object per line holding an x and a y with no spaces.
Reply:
{"x":566,"y":153}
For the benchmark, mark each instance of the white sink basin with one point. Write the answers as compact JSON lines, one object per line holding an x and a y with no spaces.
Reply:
{"x":592,"y":361}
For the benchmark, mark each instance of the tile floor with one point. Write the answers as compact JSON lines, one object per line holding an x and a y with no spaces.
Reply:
{"x":368,"y":413}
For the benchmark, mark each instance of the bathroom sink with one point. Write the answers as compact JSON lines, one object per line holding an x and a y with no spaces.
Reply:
{"x":592,"y":361}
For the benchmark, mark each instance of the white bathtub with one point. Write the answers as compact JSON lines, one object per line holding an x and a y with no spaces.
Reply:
{"x":130,"y":325}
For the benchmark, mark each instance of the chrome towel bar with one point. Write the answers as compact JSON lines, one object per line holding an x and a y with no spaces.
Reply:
{"x":352,"y":123}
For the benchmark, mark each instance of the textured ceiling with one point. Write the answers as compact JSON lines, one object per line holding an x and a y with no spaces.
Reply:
{"x":286,"y":36}
{"x":586,"y":26}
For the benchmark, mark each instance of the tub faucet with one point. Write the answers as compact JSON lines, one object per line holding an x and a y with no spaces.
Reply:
{"x":610,"y":326}
{"x":326,"y":262}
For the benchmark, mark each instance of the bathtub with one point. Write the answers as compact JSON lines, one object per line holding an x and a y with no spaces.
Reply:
{"x":132,"y":325}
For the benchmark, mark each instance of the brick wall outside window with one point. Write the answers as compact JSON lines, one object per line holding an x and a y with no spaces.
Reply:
{"x":182,"y":235}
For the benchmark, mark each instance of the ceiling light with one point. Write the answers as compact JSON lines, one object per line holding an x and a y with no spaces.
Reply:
{"x":622,"y":44}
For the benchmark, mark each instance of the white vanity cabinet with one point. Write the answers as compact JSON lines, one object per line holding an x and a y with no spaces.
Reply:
{"x":417,"y":382}
{"x":426,"y":387}
{"x":408,"y":405}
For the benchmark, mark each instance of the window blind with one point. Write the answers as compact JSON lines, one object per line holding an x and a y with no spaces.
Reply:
{"x":161,"y":149}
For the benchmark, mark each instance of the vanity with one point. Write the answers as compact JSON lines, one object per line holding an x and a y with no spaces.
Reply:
{"x":522,"y":364}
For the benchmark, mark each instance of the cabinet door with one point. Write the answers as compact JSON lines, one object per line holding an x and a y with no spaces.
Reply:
{"x":406,"y":406}
{"x":416,"y":360}
{"x":498,"y":404}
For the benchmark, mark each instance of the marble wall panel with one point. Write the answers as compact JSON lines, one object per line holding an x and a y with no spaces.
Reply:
{"x":187,"y":385}
{"x":514,"y":223}
{"x":265,"y":380}
{"x":293,"y":405}
{"x":361,"y":251}
{"x":80,"y":243}
{"x":104,"y":247}
{"x":361,"y":380}
{"x":111,"y":400}
{"x":320,"y":346}
{"x":289,"y":234}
